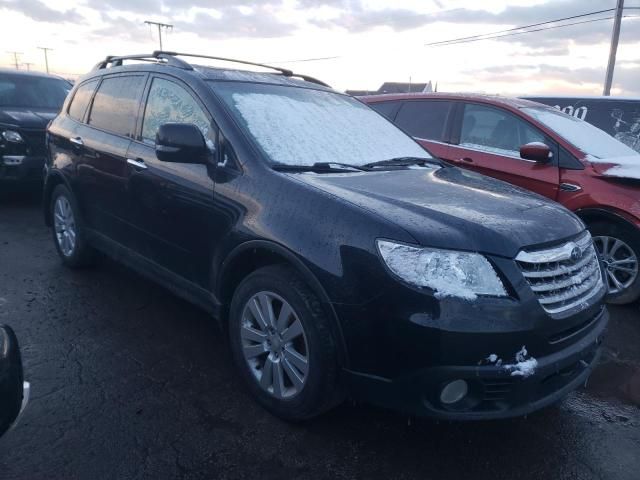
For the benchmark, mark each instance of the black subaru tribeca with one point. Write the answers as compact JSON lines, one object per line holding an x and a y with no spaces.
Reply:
{"x":341,"y":258}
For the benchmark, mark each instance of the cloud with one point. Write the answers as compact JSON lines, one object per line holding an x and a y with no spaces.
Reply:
{"x":625,"y":76}
{"x":40,"y":12}
{"x":260,"y":22}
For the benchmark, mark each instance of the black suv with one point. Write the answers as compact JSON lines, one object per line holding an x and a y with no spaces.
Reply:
{"x":341,"y":257}
{"x":28,"y":101}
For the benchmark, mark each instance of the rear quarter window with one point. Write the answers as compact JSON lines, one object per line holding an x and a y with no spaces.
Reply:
{"x":424,"y":119}
{"x":81,"y":99}
{"x":115,"y":105}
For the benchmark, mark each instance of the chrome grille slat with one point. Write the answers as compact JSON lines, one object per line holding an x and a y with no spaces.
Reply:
{"x":584,"y":274}
{"x":554,"y":272}
{"x":564,"y":276}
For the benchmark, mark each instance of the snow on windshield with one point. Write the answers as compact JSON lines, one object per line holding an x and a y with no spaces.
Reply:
{"x":591,"y":140}
{"x":297,"y":126}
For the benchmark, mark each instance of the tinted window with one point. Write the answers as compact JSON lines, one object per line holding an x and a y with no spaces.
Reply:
{"x":388,"y":109}
{"x":32,"y":91}
{"x":424,"y":119}
{"x":81,"y":100}
{"x":497,"y":131}
{"x":116,"y":104}
{"x":169,"y":102}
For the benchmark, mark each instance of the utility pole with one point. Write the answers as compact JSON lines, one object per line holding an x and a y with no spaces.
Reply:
{"x":160,"y":27}
{"x":46,"y":57}
{"x":614,"y":48}
{"x":28,"y":65}
{"x":15,"y":59}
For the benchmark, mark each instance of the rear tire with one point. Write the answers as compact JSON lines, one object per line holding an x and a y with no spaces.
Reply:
{"x":68,"y":233}
{"x":287,"y":360}
{"x":619,"y":249}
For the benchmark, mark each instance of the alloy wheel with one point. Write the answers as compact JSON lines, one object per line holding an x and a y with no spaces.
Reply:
{"x":65,"y":225}
{"x":274,"y":345}
{"x":620,"y":262}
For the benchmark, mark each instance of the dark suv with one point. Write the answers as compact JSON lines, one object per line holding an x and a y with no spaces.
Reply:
{"x":339,"y":255}
{"x":28,"y":101}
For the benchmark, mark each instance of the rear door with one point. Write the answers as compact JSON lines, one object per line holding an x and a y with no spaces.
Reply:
{"x":487,"y":139}
{"x":171,"y":203}
{"x":427,"y":121}
{"x":103,"y":142}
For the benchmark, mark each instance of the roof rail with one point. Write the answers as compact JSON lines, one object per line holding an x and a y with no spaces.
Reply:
{"x":155,"y":57}
{"x":284,"y":71}
{"x":169,"y":58}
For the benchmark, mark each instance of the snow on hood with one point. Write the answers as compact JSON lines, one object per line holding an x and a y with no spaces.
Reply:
{"x":622,"y":167}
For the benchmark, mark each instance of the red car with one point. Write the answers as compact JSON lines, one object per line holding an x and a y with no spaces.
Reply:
{"x":541,"y":149}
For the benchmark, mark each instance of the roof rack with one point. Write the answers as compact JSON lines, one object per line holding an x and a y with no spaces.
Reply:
{"x":169,"y":58}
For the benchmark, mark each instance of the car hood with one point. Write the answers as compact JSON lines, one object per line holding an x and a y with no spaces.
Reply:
{"x":453,"y":208}
{"x":27,"y":117}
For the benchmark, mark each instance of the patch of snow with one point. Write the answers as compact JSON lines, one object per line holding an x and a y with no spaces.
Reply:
{"x":524,"y":367}
{"x":302,"y":126}
{"x":591,"y":140}
{"x":623,"y":167}
{"x":493,"y":358}
{"x":449,"y":274}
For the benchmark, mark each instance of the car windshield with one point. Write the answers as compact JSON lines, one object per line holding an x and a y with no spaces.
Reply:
{"x":591,"y":140}
{"x":32,"y":91}
{"x":302,"y":126}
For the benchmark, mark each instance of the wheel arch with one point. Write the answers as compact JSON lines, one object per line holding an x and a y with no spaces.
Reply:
{"x":589,"y":215}
{"x":254,"y":254}
{"x":54,"y":178}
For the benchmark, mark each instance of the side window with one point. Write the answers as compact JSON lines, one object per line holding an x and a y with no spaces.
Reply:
{"x":169,"y":102}
{"x":496,"y":131}
{"x":116,"y":104}
{"x":388,"y":109}
{"x":81,"y":100}
{"x":424,"y":119}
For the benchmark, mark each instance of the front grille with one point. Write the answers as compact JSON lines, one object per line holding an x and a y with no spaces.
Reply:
{"x":563,"y":277}
{"x":35,"y":140}
{"x":496,"y":390}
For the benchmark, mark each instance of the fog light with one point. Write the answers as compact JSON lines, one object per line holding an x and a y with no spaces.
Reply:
{"x":454,"y":392}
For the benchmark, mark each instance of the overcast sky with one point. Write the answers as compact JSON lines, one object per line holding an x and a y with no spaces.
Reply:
{"x":369,"y":41}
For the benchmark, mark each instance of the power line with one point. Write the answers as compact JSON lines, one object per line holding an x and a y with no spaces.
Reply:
{"x":160,"y":27}
{"x":15,"y":58}
{"x":533,"y":31}
{"x":573,"y":17}
{"x":46,"y":56}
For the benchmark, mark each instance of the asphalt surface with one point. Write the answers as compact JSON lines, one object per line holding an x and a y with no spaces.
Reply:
{"x":129,"y":381}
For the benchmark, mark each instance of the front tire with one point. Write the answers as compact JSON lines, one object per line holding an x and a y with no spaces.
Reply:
{"x":282,"y":344}
{"x":68,"y":235}
{"x":619,"y":249}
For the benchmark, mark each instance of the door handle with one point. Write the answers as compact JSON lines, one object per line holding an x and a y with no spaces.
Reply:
{"x":77,"y":141}
{"x":137,"y":163}
{"x":467,"y":159}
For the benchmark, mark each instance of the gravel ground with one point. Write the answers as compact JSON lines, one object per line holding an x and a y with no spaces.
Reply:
{"x":131,"y":382}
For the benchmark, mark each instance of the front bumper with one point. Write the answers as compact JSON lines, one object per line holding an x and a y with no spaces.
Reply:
{"x":493,"y":391}
{"x":21,"y":169}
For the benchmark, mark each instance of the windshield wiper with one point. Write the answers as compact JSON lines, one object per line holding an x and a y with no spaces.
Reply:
{"x":320,"y":167}
{"x":404,"y":162}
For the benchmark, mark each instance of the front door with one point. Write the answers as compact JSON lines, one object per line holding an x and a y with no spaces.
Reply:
{"x":489,"y":143}
{"x":171,"y":203}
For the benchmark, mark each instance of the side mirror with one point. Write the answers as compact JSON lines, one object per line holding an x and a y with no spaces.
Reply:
{"x":536,"y":151}
{"x":181,"y":143}
{"x":13,"y":390}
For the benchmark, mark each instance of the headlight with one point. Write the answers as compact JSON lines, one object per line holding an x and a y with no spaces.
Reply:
{"x":449,"y":273}
{"x":12,"y":136}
